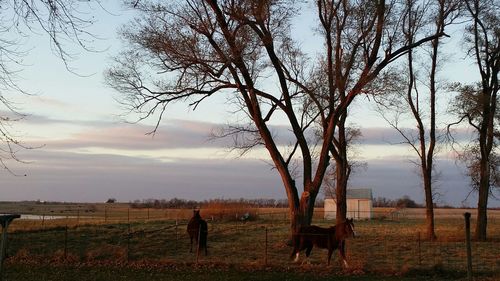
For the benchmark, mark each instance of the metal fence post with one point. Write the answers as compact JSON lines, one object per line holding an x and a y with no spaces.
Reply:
{"x":468,"y":245}
{"x":419,"y":250}
{"x":265,"y":253}
{"x":5,"y":220}
{"x":176,"y":235}
{"x":66,"y":241}
{"x":128,"y":243}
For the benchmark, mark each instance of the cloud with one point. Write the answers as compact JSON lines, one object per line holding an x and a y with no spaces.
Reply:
{"x":172,"y":134}
{"x":64,"y":176}
{"x":387,"y":136}
{"x":67,"y":176}
{"x":178,"y":134}
{"x":107,"y":159}
{"x":394,"y":177}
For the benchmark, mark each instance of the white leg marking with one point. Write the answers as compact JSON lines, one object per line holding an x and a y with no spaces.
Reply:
{"x":345,"y":263}
{"x":296,"y":257}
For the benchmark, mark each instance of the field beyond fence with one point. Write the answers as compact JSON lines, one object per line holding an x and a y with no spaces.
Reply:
{"x":391,"y":243}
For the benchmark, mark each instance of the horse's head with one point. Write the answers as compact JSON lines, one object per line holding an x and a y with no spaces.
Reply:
{"x":347,"y":228}
{"x":196,"y":213}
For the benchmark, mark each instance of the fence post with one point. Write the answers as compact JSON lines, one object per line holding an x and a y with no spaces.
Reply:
{"x":148,"y":214}
{"x":105,"y":214}
{"x":77,"y":217}
{"x":176,"y":235}
{"x":128,"y":242}
{"x":265,"y":253}
{"x":419,"y":251}
{"x":3,"y":247}
{"x":128,"y":216}
{"x":468,"y":244}
{"x":5,"y":220}
{"x":66,"y":241}
{"x":43,"y":221}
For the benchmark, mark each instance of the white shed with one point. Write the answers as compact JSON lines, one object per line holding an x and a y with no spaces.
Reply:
{"x":359,"y":204}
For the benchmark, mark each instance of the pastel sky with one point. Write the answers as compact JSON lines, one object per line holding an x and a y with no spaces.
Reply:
{"x":87,"y":152}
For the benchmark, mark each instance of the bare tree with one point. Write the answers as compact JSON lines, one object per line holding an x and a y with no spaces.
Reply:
{"x":477,"y":104}
{"x":63,"y":22}
{"x":353,"y":136}
{"x":421,"y":16}
{"x":235,"y":47}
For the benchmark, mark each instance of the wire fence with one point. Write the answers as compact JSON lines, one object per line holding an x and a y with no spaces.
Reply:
{"x":381,"y":244}
{"x":117,"y":213}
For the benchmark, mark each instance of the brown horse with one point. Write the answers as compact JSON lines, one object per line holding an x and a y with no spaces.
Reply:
{"x":198,"y":230}
{"x":326,"y":238}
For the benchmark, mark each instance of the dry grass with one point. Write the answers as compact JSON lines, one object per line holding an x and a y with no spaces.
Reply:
{"x":382,"y":246}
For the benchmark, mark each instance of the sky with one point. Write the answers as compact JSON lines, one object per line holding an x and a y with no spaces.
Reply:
{"x":86,"y":150}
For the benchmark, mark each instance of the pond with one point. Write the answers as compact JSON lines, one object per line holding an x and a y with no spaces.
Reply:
{"x":43,"y":217}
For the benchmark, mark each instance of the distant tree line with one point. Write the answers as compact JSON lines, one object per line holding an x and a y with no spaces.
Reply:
{"x":178,"y":203}
{"x":403,"y":202}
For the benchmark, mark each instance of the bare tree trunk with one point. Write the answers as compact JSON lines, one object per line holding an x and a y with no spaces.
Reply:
{"x":302,"y":213}
{"x":486,"y":133}
{"x":429,"y":208}
{"x":342,"y":171}
{"x":482,"y":204}
{"x":341,"y":191}
{"x":424,"y":146}
{"x":486,"y":51}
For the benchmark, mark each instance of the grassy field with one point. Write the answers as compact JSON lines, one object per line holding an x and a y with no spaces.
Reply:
{"x":115,"y":240}
{"x":105,"y":273}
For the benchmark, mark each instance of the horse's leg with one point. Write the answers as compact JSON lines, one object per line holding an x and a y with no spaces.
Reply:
{"x":330,"y":247}
{"x":206,"y":248}
{"x":330,"y":251}
{"x":342,"y":253}
{"x":191,"y":247}
{"x":308,"y":250}
{"x":295,"y":252}
{"x":308,"y":253}
{"x":297,"y":247}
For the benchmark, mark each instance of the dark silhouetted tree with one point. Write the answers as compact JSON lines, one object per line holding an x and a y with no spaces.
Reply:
{"x":477,"y":104}
{"x":189,"y":51}
{"x":421,"y":89}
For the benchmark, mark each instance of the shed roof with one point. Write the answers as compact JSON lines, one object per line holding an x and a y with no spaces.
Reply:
{"x":357,"y":193}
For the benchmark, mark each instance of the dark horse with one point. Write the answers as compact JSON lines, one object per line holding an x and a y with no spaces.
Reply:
{"x":326,"y":238}
{"x":198,"y":230}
